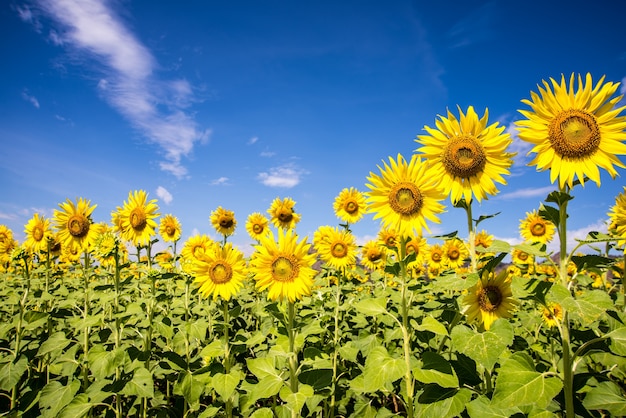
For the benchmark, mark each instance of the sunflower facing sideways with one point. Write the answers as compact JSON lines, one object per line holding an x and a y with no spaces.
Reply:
{"x":285,"y":267}
{"x":574,"y":131}
{"x":617,"y":218}
{"x":469,"y":157}
{"x":137,"y":218}
{"x":489,"y":299}
{"x":73,"y":223}
{"x":405,"y":195}
{"x":220,"y":271}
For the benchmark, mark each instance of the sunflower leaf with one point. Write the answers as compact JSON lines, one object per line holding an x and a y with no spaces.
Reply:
{"x":485,"y":348}
{"x":607,"y":396}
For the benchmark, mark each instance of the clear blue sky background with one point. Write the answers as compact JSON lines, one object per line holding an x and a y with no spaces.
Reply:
{"x":206,"y":103}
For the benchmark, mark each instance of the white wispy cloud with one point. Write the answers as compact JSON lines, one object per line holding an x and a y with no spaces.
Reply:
{"x":285,"y":176}
{"x":220,"y":181}
{"x":267,"y":154}
{"x":253,"y":140}
{"x":579,"y":234}
{"x":32,"y":99}
{"x":526,"y":193}
{"x":155,"y":107}
{"x":164,"y":195}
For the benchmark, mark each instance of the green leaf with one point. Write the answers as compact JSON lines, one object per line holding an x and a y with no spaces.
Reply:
{"x":589,"y":261}
{"x":225,"y":384}
{"x":190,"y":387}
{"x":484,"y":347}
{"x":262,"y":413}
{"x":349,"y":351}
{"x":141,"y":385}
{"x":381,"y":369}
{"x":448,"y":406}
{"x":317,"y":378}
{"x":262,"y":367}
{"x":607,"y":396}
{"x":77,"y":408}
{"x":372,"y":306}
{"x":296,"y":400}
{"x":55,"y":396}
{"x":518,"y":384}
{"x":538,"y":249}
{"x":436,"y":369}
{"x":12,"y":372}
{"x":431,"y":324}
{"x":587,"y":307}
{"x":482,"y":408}
{"x":618,"y":341}
{"x":56,"y":341}
{"x":485,"y":217}
{"x":498,"y":246}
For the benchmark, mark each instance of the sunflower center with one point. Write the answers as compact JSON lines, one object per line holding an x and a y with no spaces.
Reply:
{"x":226,"y":223}
{"x":490,"y":298}
{"x":257,"y":229}
{"x":38,"y":233}
{"x":454,"y":254}
{"x":78,"y":225}
{"x":574,"y":134}
{"x":284,"y":270}
{"x":221,"y":273}
{"x":538,"y":230}
{"x":170,"y":230}
{"x":138,"y":219}
{"x":464,"y":157}
{"x":522,"y":256}
{"x":374,"y":256}
{"x":436,"y":257}
{"x":405,"y":198}
{"x":351,"y":207}
{"x":285,"y":216}
{"x":339,"y":250}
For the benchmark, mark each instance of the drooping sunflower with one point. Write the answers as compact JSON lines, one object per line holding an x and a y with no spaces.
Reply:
{"x":468,"y":156}
{"x":350,"y":205}
{"x":455,"y":253}
{"x":137,"y":218}
{"x":617,"y":218}
{"x":108,"y":246}
{"x":282,"y":213}
{"x":374,"y":255}
{"x":223,"y":220}
{"x":170,"y":228}
{"x":338,"y":249}
{"x":38,"y":234}
{"x":285,"y":267}
{"x":193,"y":247}
{"x":489,"y":299}
{"x":575,"y":131}
{"x":535,"y":228}
{"x":220,"y":272}
{"x":552,"y":314}
{"x":73,"y":223}
{"x":405,"y":195}
{"x":257,"y":225}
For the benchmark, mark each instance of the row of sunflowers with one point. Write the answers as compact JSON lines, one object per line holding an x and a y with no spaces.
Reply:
{"x":96,"y":322}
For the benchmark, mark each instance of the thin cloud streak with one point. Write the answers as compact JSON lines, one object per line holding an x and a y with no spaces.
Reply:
{"x":286,"y":176}
{"x":129,"y":85}
{"x":526,"y":193}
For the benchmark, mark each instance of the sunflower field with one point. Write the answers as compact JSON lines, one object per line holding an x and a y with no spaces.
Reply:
{"x":96,"y":322}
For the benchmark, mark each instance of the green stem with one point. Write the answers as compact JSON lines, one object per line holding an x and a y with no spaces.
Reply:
{"x":118,"y":331}
{"x":226,"y":318}
{"x":624,"y":282}
{"x":471,"y":236}
{"x":86,"y":263}
{"x":408,"y":378}
{"x":293,"y":356}
{"x":18,"y":331}
{"x":336,"y":343}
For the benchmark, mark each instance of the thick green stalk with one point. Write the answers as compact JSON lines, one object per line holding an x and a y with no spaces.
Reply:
{"x":293,"y":356}
{"x":226,"y":318}
{"x":408,"y":378}
{"x":18,"y":331}
{"x":336,"y":343}
{"x":85,"y":317}
{"x":118,"y":331}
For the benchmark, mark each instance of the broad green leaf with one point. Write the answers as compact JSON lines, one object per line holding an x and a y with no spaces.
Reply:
{"x":518,"y":384}
{"x":606,"y":396}
{"x":262,"y":367}
{"x":431,"y":324}
{"x":225,"y":384}
{"x":317,"y":378}
{"x":211,"y":351}
{"x":349,"y":351}
{"x":381,"y":369}
{"x":372,"y":306}
{"x":12,"y":372}
{"x":77,"y":408}
{"x":265,"y":388}
{"x":141,"y":385}
{"x":103,"y":363}
{"x":538,"y":250}
{"x":55,"y":395}
{"x":436,"y":369}
{"x":618,"y":340}
{"x":56,"y":341}
{"x":482,"y":408}
{"x":296,"y":400}
{"x":262,"y":413}
{"x":485,"y":348}
{"x":451,"y":406}
{"x":190,"y":387}
{"x":587,"y":307}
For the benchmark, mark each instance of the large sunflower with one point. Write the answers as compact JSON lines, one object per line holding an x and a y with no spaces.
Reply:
{"x":405,"y":195}
{"x":489,"y":299}
{"x":282,"y":213}
{"x":617,"y":218}
{"x":73,"y":223}
{"x":350,"y":205}
{"x":223,"y":220}
{"x":534,"y":228}
{"x":337,"y":249}
{"x":137,"y":218}
{"x":38,"y":234}
{"x":220,"y":272}
{"x":169,"y":228}
{"x":575,"y":131}
{"x":468,"y":156}
{"x":283,"y":267}
{"x":256,"y":225}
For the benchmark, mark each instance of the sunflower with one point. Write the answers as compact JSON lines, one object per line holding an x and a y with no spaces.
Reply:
{"x":38,"y":233}
{"x":107,"y":246}
{"x":534,"y":228}
{"x":350,"y":205}
{"x":388,"y":237}
{"x":337,"y":249}
{"x":137,"y":218}
{"x":6,"y":238}
{"x":489,"y":299}
{"x":169,"y":228}
{"x":552,"y":314}
{"x":521,"y":257}
{"x":405,"y":195}
{"x":455,"y":253}
{"x":193,"y":247}
{"x":220,"y":271}
{"x":417,"y":246}
{"x":256,"y":225}
{"x":434,"y":257}
{"x":283,"y":267}
{"x":575,"y":131}
{"x":468,"y":156}
{"x":374,"y":255}
{"x":73,"y":223}
{"x":223,"y":220}
{"x":282,"y":213}
{"x":617,"y":218}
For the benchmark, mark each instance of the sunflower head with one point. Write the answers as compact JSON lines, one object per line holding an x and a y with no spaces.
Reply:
{"x":73,"y":223}
{"x":38,"y":232}
{"x":349,"y":205}
{"x":257,"y":225}
{"x":220,"y":272}
{"x":193,"y":249}
{"x":489,"y":299}
{"x":552,"y":314}
{"x":223,"y":221}
{"x":535,"y":228}
{"x":283,"y":214}
{"x":455,"y":253}
{"x":169,"y":228}
{"x":469,"y":156}
{"x":575,"y":129}
{"x":617,"y":219}
{"x":337,"y":248}
{"x":137,"y":218}
{"x":373,"y":255}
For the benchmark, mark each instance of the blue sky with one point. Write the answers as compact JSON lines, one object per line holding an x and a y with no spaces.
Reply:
{"x":206,"y":104}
